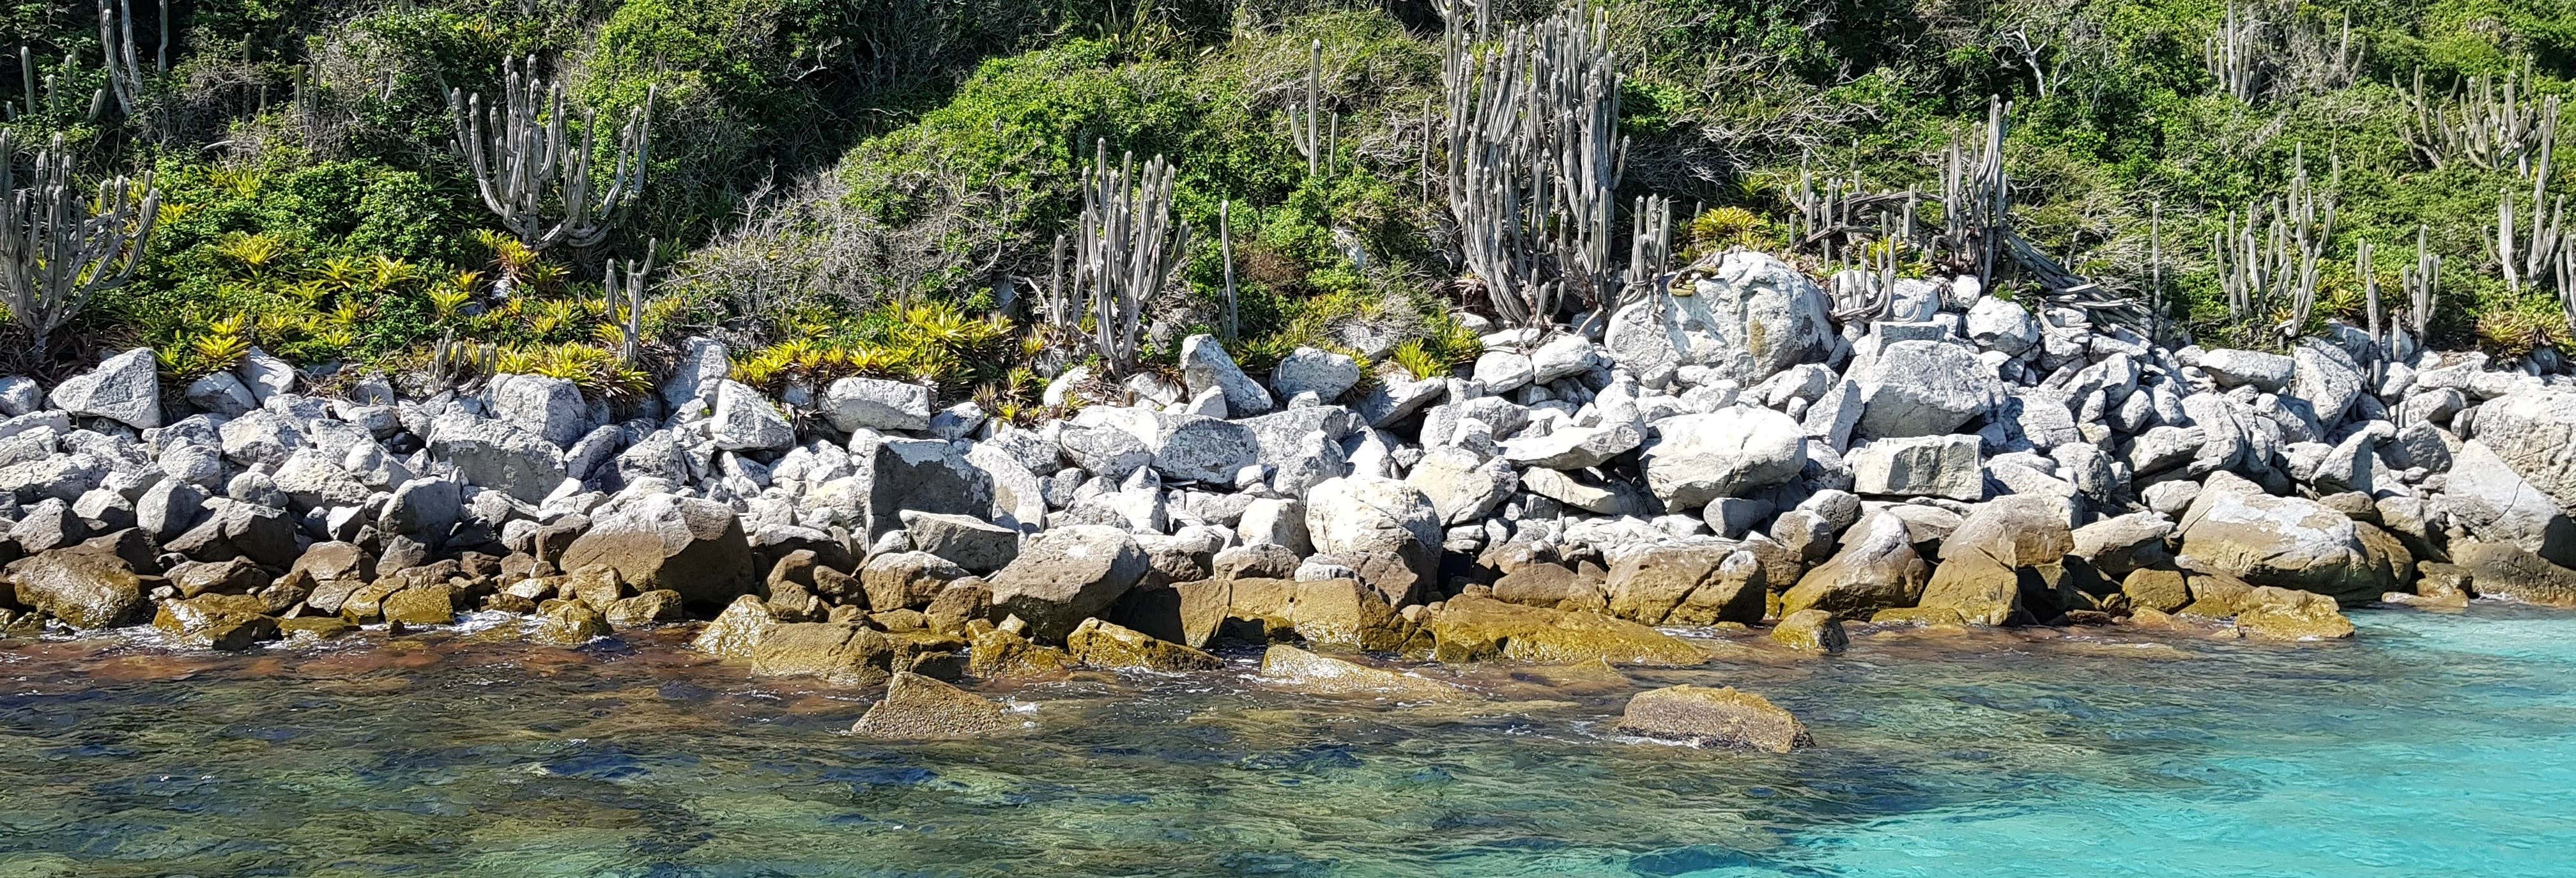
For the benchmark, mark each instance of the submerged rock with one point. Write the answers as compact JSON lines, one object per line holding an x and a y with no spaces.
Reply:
{"x":1332,"y":676}
{"x":1714,"y":717}
{"x":918,"y":708}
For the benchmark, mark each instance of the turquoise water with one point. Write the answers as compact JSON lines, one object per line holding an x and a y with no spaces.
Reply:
{"x":2434,"y":744}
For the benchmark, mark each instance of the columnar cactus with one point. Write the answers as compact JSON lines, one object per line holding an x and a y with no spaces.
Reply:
{"x":536,"y":177}
{"x":60,"y":243}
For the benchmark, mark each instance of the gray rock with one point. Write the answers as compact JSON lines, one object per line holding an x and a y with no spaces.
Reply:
{"x":2231,"y":367}
{"x":2326,"y":378}
{"x":855,"y":404}
{"x":1504,"y":371}
{"x":1920,"y":466}
{"x":549,"y":408}
{"x":424,"y":510}
{"x":1197,"y":449}
{"x":489,"y":453}
{"x":2531,"y":432}
{"x":125,"y":388}
{"x":1747,"y":316}
{"x":1609,"y":498}
{"x":264,"y":376}
{"x":1698,"y":458}
{"x":19,"y":395}
{"x":221,"y":394}
{"x":2420,"y":445}
{"x":1562,"y":357}
{"x":971,"y":543}
{"x":743,"y":420}
{"x":2002,"y":325}
{"x":1275,"y":521}
{"x":311,"y":478}
{"x":1461,"y":486}
{"x":1394,"y":399}
{"x":2497,"y":504}
{"x":958,"y":421}
{"x":2170,"y":498}
{"x":1110,"y":452}
{"x":1065,"y":575}
{"x":2235,"y":528}
{"x":662,"y":541}
{"x":260,"y":437}
{"x":168,"y":508}
{"x":1324,"y":373}
{"x":702,"y":362}
{"x":194,"y":464}
{"x":1387,"y":530}
{"x":1574,"y":447}
{"x":1923,"y":388}
{"x":924,"y":475}
{"x":1204,"y":364}
{"x":47,"y":525}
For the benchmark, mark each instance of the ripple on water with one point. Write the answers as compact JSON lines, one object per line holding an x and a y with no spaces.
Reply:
{"x":2432,"y":744}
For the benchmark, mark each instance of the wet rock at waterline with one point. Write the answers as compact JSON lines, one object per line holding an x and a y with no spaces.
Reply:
{"x":1720,"y":717}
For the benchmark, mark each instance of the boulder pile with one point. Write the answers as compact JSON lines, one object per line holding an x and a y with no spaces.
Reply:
{"x":1728,"y":451}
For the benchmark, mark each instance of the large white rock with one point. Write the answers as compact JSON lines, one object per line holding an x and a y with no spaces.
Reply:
{"x":1462,"y":488}
{"x":703,"y":361}
{"x":2235,"y":528}
{"x":1747,"y":315}
{"x":2327,"y":378}
{"x":1204,"y":364}
{"x":1574,"y":447}
{"x":1308,"y":370}
{"x":495,"y":454}
{"x":1923,"y":388}
{"x":1192,"y":448}
{"x":854,"y":404}
{"x":1385,"y":529}
{"x":2497,"y":504}
{"x":126,"y":388}
{"x":1729,"y":453}
{"x":1919,"y":466}
{"x":551,"y":408}
{"x":2231,"y":367}
{"x":2002,"y":325}
{"x":2532,"y":432}
{"x":744,"y":420}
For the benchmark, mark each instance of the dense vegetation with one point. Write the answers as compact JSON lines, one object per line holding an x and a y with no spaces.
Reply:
{"x":877,"y":186}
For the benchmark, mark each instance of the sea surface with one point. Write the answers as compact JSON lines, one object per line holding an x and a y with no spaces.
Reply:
{"x":2431,"y":745}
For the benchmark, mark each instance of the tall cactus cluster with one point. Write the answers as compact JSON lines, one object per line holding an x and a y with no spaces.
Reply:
{"x":2263,"y":49}
{"x":2269,"y":264}
{"x":532,"y":173}
{"x":2486,"y":123}
{"x":1534,"y":159}
{"x":60,"y":244}
{"x":1125,"y":245}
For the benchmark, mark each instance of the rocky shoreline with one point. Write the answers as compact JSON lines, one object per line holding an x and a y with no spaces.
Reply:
{"x":1729,"y":453}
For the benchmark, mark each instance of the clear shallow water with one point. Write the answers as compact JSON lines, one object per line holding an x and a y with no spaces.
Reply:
{"x":2433,"y":745}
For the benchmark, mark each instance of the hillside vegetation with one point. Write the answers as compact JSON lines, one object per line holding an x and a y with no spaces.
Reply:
{"x":879,"y":187}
